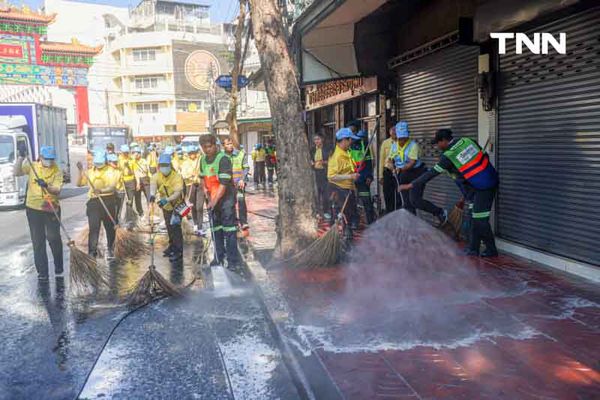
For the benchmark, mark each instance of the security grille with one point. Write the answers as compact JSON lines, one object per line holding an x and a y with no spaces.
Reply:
{"x":549,"y":143}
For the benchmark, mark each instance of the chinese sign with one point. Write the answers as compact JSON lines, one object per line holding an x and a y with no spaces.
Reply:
{"x":327,"y":93}
{"x":24,"y":74}
{"x":12,"y":51}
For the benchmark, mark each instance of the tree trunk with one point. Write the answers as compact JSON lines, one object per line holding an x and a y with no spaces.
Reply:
{"x":296,"y":186}
{"x":235,"y":73}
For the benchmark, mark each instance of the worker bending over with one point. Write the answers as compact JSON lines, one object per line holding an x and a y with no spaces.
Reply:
{"x":464,"y":160}
{"x":341,"y":176}
{"x":240,"y":168}
{"x":45,"y":181}
{"x":166,"y":189}
{"x":102,"y":182}
{"x":216,"y":172}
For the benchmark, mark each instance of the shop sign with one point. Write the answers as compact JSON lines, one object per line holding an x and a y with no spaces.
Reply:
{"x":11,"y":51}
{"x":323,"y":94}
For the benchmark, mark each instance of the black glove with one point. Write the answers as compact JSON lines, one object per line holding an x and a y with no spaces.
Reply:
{"x":152,"y":199}
{"x":42,"y":183}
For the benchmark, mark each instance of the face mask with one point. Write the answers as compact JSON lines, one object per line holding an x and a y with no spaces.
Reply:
{"x":165,"y":170}
{"x":98,"y":165}
{"x":46,"y":163}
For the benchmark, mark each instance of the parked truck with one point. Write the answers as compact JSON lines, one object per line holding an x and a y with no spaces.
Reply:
{"x":25,"y":127}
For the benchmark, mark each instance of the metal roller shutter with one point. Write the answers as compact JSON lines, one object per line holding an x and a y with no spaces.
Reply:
{"x":438,"y":91}
{"x":549,"y":143}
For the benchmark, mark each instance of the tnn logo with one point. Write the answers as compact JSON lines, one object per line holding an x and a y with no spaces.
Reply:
{"x":539,"y":44}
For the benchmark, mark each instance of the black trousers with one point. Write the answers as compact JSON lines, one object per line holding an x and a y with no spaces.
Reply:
{"x":364,"y":195}
{"x":271,"y":173}
{"x":389,"y":191}
{"x":322,"y":190}
{"x":259,"y":172}
{"x":196,"y":196}
{"x":96,"y":216}
{"x":44,"y":226}
{"x":145,"y":189}
{"x":174,"y":231}
{"x":129,"y":197}
{"x":339,"y":196}
{"x":413,"y":199}
{"x":242,"y":209}
{"x":481,"y":230}
{"x":119,"y":205}
{"x":225,"y":230}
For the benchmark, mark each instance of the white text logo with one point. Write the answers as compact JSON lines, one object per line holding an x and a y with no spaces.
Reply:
{"x":539,"y":45}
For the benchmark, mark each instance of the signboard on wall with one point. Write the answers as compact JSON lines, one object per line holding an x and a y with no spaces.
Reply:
{"x":332,"y":92}
{"x":20,"y":49}
{"x":25,"y":74}
{"x":200,"y":64}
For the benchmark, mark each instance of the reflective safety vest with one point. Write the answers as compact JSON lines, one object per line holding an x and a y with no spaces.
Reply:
{"x":358,"y":156}
{"x":472,"y":163}
{"x":400,"y":154}
{"x":237,"y":164}
{"x":210,"y":173}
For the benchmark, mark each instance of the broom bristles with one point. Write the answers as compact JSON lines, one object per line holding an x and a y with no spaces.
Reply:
{"x":130,"y":216}
{"x":151,"y":286}
{"x":128,"y":244}
{"x":84,"y":271}
{"x":323,"y":252}
{"x":455,"y":220}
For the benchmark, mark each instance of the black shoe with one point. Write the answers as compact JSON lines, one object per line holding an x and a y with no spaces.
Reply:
{"x":489,"y":253}
{"x":168,"y":252}
{"x":215,"y":262}
{"x":176,"y":256}
{"x":58,"y":271}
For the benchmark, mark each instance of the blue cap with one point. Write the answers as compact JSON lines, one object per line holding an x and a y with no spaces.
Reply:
{"x":48,"y":152}
{"x":362,"y":134}
{"x":100,"y":157}
{"x":193,"y":149}
{"x":136,"y":149}
{"x":164,"y":158}
{"x":402,"y":129}
{"x":124,"y":148}
{"x":345,"y":133}
{"x":185,"y":149}
{"x":134,"y":144}
{"x":169,"y":150}
{"x":112,"y":157}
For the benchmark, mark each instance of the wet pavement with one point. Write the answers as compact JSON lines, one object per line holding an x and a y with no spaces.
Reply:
{"x":500,"y":328}
{"x":213,"y":343}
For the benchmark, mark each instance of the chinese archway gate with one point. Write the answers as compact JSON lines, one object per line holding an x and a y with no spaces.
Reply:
{"x":27,"y":59}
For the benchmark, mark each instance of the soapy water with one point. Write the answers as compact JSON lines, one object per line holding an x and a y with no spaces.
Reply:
{"x":408,"y":285}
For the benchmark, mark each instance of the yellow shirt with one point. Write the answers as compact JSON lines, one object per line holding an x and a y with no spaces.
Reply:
{"x":118,"y":178}
{"x":259,"y":155}
{"x":101,"y":178}
{"x":152,"y":160}
{"x":340,"y":163}
{"x":190,"y":169}
{"x":167,"y":186}
{"x":318,"y":159}
{"x":36,"y":198}
{"x":384,"y":154}
{"x":126,"y":165}
{"x":141,"y":169}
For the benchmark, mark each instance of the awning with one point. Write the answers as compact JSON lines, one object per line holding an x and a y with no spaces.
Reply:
{"x":326,"y":33}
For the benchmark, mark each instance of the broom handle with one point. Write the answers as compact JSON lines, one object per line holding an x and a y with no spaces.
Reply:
{"x":100,"y":198}
{"x":49,"y":202}
{"x":151,"y":221}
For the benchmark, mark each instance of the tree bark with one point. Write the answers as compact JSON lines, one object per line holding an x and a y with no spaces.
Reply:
{"x":296,"y":186}
{"x":235,"y":73}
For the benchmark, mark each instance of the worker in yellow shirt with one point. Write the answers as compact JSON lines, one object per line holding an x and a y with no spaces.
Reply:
{"x":259,"y":156}
{"x":127,"y":167}
{"x":320,"y":156}
{"x":152,"y":159}
{"x":141,"y":171}
{"x":166,"y":188}
{"x":386,"y":171}
{"x":177,"y":158}
{"x":113,"y":162}
{"x":104,"y":182}
{"x":190,"y":171}
{"x":342,"y":177}
{"x":43,"y":188}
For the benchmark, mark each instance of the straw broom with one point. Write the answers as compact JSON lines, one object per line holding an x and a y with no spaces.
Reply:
{"x":84,"y":271}
{"x":323,"y":252}
{"x":127,"y":243}
{"x":152,"y":284}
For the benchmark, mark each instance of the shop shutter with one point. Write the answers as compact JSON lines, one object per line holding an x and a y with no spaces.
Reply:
{"x":438,"y":91}
{"x":549,"y":143}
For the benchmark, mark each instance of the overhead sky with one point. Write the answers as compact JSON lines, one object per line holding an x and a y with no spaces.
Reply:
{"x":220,"y":10}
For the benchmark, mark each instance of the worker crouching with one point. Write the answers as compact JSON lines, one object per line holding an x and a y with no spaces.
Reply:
{"x":217,"y":175}
{"x":166,"y":189}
